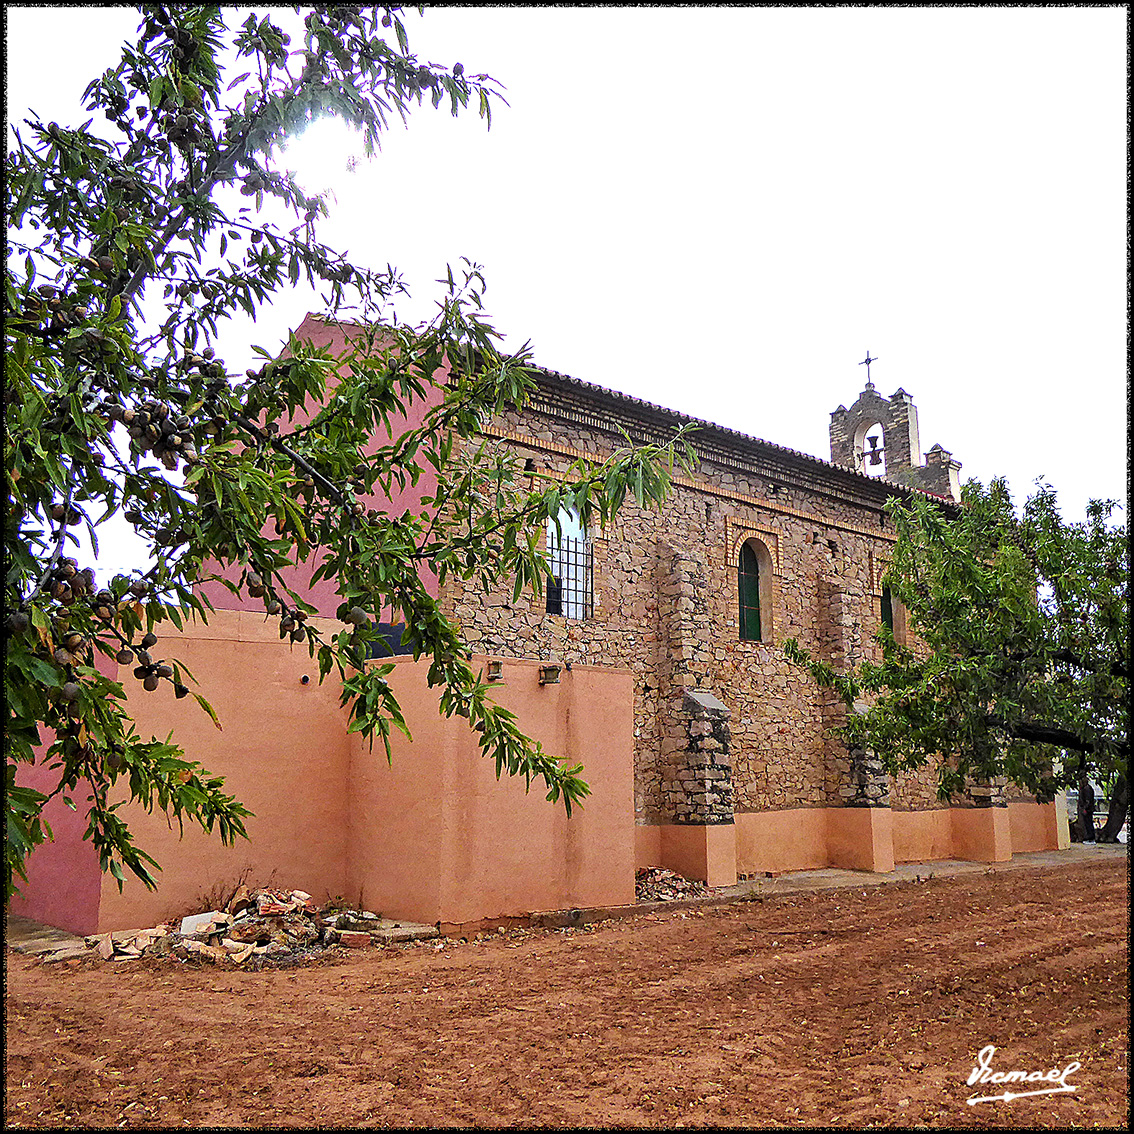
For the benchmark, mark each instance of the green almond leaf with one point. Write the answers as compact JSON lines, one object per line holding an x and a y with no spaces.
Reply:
{"x":208,"y":709}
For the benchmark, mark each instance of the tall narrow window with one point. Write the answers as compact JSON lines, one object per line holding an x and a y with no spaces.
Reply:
{"x":754,"y":586}
{"x":570,"y":586}
{"x":887,"y":609}
{"x":894,"y":616}
{"x":749,"y":573}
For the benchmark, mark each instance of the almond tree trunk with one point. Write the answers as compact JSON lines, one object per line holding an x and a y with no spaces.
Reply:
{"x":1116,"y":816}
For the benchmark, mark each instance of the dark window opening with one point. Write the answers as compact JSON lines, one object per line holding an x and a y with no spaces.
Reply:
{"x":393,"y":640}
{"x":554,"y":595}
{"x":749,"y":577}
{"x":887,"y":609}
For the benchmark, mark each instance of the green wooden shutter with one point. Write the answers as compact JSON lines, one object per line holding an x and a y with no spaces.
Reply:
{"x":749,"y":577}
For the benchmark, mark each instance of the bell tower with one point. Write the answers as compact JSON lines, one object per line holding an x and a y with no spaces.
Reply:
{"x":879,"y":436}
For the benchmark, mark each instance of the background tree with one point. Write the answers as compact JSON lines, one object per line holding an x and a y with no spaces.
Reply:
{"x":1022,"y":669}
{"x":128,"y":247}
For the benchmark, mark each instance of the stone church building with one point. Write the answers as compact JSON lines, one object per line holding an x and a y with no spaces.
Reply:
{"x":736,"y":767}
{"x":654,"y":659}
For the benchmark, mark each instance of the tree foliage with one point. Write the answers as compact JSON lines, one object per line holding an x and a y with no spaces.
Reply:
{"x":1020,"y":667}
{"x":130,"y":244}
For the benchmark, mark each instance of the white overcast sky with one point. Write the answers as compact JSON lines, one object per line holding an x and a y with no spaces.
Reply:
{"x":721,"y":210}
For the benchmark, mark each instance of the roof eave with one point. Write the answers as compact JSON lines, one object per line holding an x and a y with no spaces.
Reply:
{"x":805,"y":462}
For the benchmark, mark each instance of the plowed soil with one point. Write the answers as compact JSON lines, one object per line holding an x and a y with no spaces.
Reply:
{"x":848,"y":1008}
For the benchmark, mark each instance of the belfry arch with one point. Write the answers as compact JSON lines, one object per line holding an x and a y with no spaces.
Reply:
{"x":870,"y":448}
{"x":899,"y":449}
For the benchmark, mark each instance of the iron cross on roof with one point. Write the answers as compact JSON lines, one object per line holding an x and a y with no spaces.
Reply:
{"x":866,"y":362}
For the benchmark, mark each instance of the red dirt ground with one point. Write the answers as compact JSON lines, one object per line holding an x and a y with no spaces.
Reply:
{"x":844,"y":1008}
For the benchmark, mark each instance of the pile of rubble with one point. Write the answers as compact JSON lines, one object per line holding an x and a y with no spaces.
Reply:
{"x":655,"y":884}
{"x":258,"y":926}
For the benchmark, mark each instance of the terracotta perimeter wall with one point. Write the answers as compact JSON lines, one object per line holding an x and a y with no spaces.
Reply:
{"x":432,"y":838}
{"x":64,"y":879}
{"x":922,"y":836}
{"x":438,"y":838}
{"x":854,"y":838}
{"x":1035,"y":827}
{"x":283,"y":751}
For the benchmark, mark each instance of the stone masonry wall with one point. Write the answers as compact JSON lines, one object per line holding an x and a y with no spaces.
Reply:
{"x":665,"y":605}
{"x":915,"y":791}
{"x":702,"y":792}
{"x":984,"y":793}
{"x":854,"y":777}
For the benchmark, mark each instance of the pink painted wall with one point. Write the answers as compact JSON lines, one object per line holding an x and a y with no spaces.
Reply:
{"x":283,"y":751}
{"x":860,"y":838}
{"x":64,"y":880}
{"x":1032,"y":826}
{"x":923,"y":836}
{"x":781,"y":840}
{"x":334,"y":337}
{"x":707,"y":854}
{"x":437,"y":838}
{"x":981,"y":834}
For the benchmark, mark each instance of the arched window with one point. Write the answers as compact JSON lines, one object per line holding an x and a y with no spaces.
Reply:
{"x":754,"y":579}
